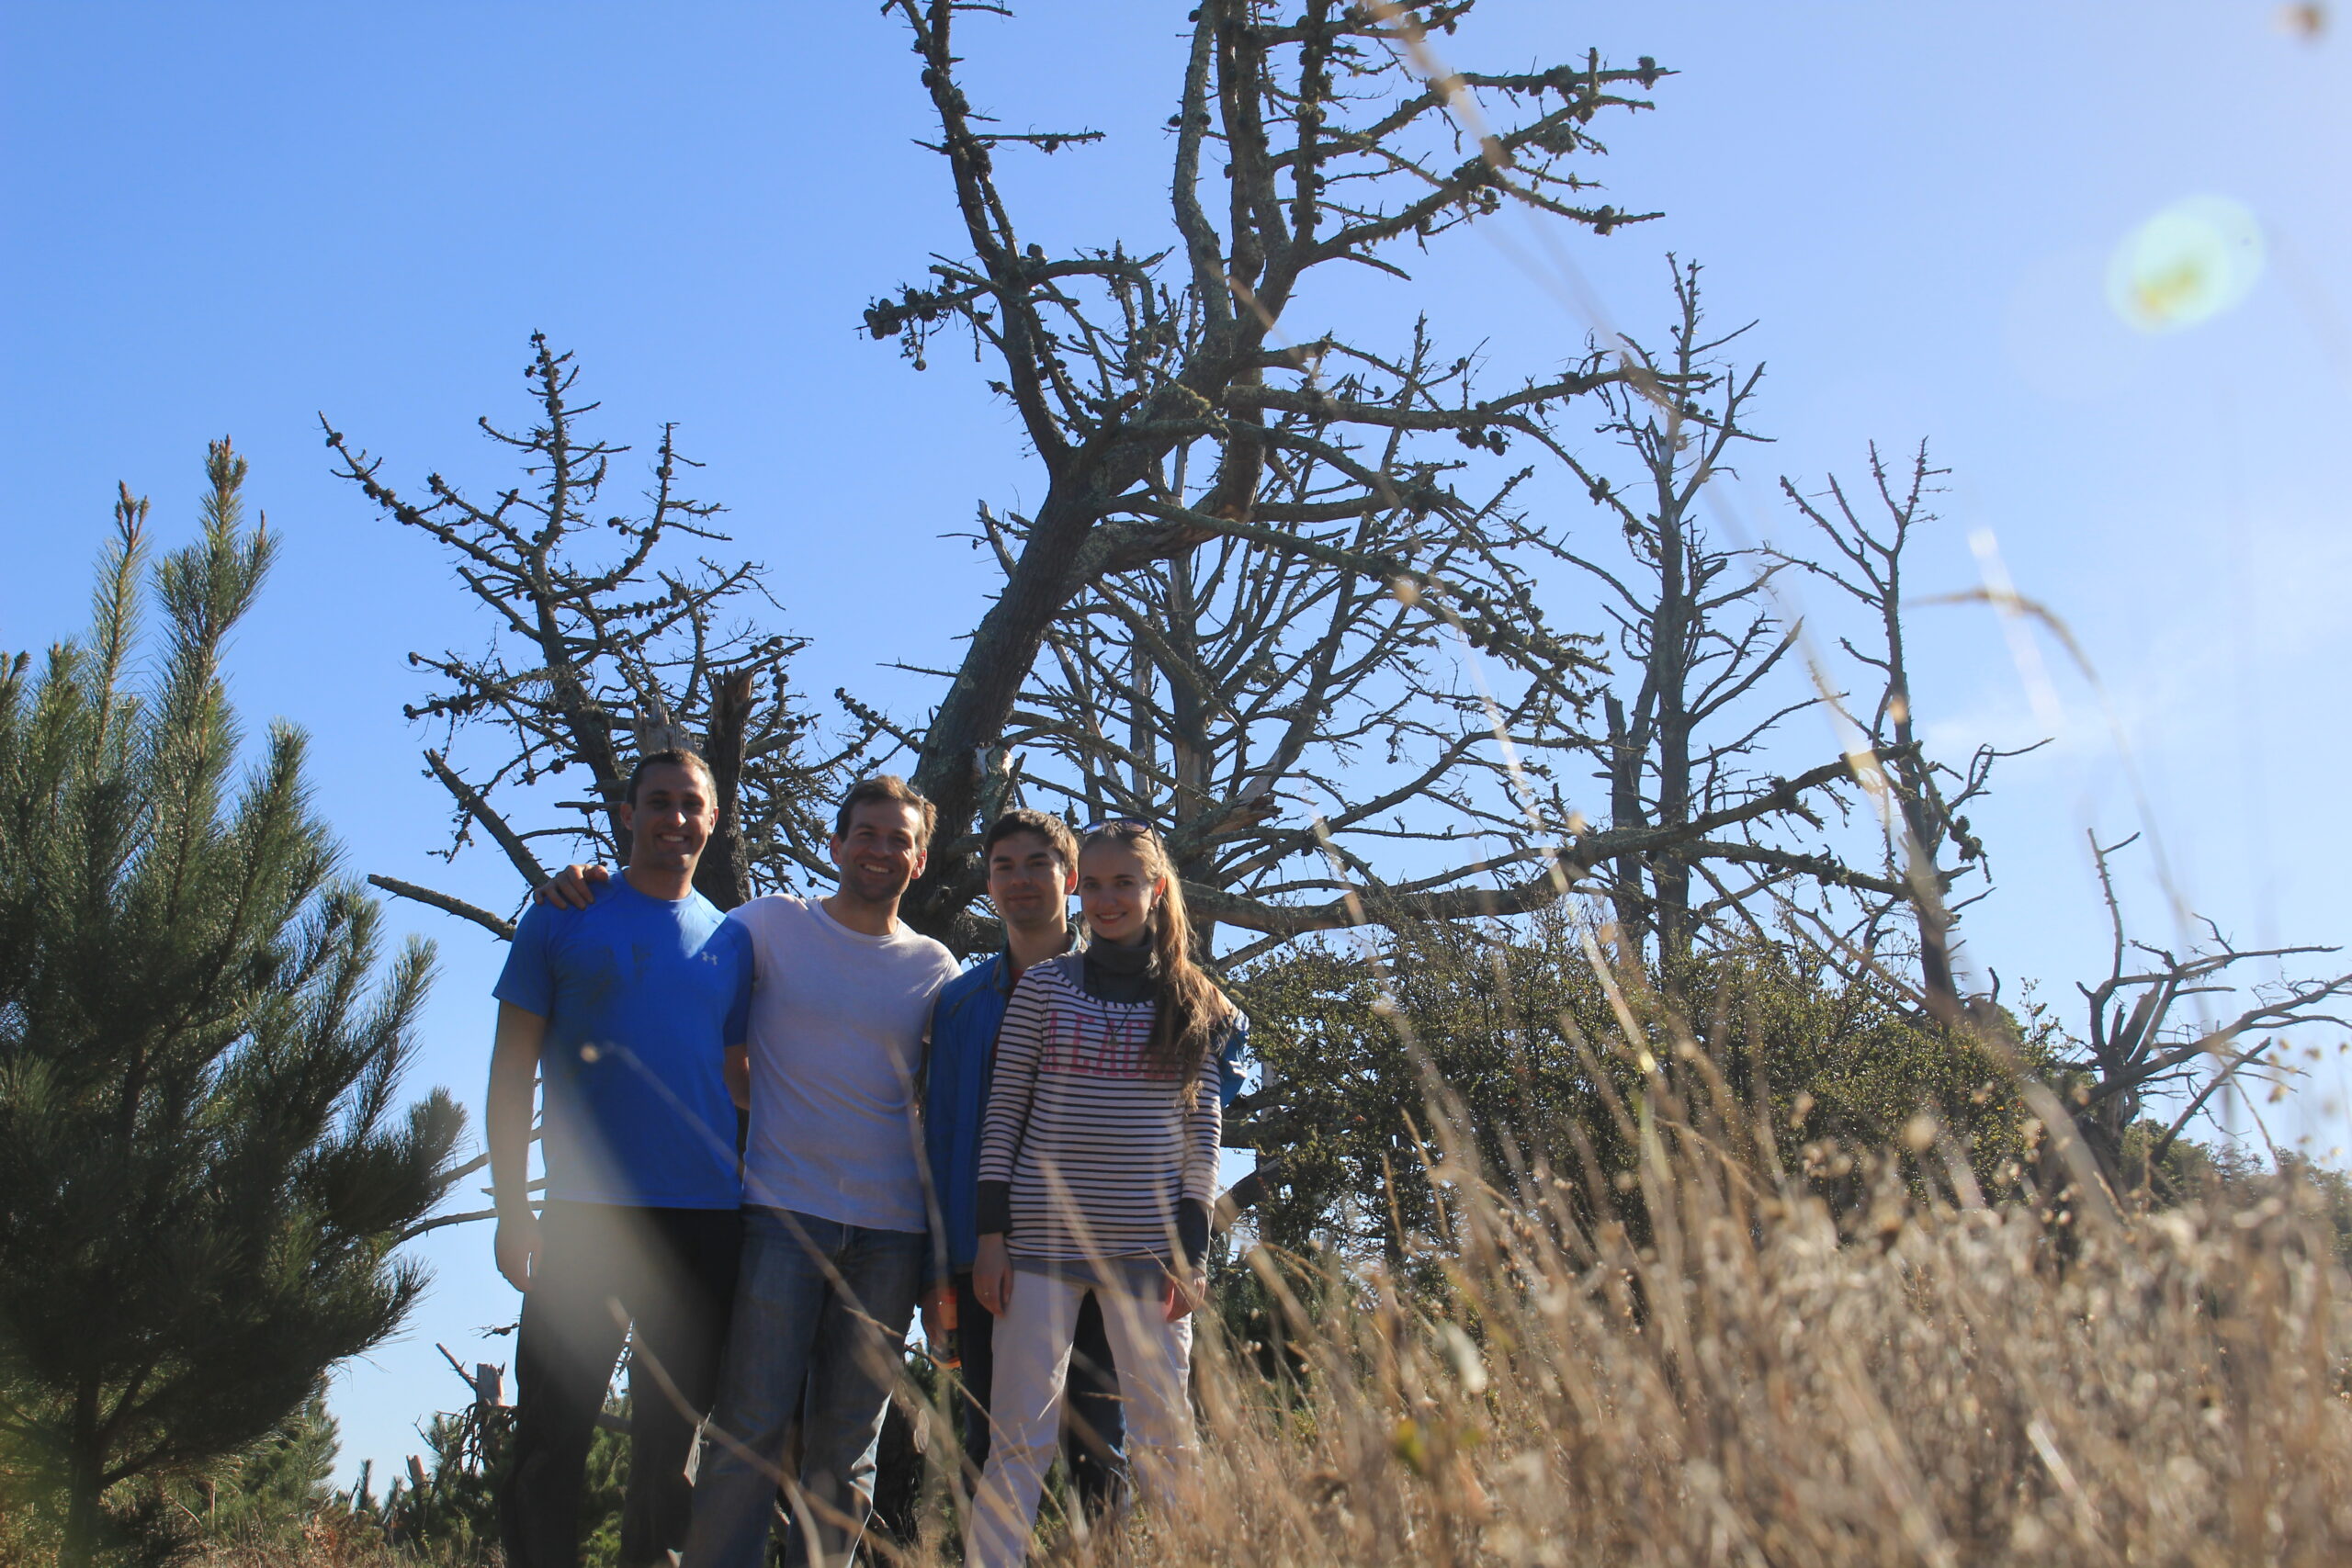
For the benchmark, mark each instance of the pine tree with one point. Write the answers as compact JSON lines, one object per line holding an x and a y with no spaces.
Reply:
{"x":269,"y":1492}
{"x":203,"y":1165}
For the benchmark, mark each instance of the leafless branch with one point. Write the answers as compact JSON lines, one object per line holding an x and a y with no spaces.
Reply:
{"x":497,"y":926}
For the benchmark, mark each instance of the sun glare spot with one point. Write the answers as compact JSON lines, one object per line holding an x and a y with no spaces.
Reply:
{"x":2189,"y":262}
{"x":2307,"y":22}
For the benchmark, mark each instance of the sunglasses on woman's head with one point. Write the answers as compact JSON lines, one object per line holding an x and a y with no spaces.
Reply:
{"x":1137,"y":823}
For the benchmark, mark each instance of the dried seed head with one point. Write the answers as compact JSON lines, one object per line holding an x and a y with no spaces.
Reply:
{"x":1919,"y":1133}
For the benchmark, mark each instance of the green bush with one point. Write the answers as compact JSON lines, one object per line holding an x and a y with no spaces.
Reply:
{"x":1511,"y":1026}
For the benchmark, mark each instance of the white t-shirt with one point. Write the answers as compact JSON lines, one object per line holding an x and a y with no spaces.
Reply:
{"x":837,"y":1024}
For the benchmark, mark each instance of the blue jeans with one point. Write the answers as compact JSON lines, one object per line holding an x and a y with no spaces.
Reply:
{"x":822,"y":1306}
{"x":673,"y":1272}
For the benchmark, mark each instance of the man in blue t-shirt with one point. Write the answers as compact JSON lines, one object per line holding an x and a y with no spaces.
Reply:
{"x":624,"y":1012}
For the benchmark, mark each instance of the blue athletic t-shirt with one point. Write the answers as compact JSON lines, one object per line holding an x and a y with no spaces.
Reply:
{"x":642,"y":996}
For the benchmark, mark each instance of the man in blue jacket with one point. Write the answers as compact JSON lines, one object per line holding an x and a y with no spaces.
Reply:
{"x":1032,"y":862}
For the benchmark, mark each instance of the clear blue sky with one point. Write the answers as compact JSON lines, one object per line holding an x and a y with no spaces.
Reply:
{"x":229,"y":219}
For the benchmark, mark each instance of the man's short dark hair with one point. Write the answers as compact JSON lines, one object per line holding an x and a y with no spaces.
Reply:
{"x":676,"y":757}
{"x":898,"y":791}
{"x":1043,"y":824}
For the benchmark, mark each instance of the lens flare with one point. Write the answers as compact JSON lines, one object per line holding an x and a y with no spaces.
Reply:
{"x":2189,"y":264}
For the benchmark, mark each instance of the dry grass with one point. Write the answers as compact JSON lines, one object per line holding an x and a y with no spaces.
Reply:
{"x":1752,"y":1379}
{"x":1935,"y":1381}
{"x":328,"y":1546}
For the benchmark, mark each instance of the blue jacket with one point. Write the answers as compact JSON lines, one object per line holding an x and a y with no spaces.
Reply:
{"x":964,"y":1024}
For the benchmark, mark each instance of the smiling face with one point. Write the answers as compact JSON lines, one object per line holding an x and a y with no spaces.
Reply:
{"x":1115,"y":891}
{"x":880,"y":853}
{"x":670,"y":820}
{"x":1028,"y":883}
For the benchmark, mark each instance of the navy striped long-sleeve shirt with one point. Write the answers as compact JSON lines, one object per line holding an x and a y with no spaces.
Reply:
{"x":1087,"y":1153}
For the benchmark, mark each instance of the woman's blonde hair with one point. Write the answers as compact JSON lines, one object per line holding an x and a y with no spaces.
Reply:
{"x":1192,"y":1010}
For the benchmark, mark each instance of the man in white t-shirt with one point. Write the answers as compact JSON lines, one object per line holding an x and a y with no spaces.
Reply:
{"x":834,"y":1211}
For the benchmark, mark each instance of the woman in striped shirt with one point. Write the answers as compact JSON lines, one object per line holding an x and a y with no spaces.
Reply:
{"x":1098,"y":1164}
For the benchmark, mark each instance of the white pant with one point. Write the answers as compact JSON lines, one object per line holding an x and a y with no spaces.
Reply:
{"x":1032,"y":1347}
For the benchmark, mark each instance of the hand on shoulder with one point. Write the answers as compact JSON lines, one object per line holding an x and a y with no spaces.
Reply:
{"x":574,"y":887}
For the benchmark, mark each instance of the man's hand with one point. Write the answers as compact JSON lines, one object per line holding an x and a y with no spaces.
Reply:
{"x":992,"y":1275}
{"x":574,"y":887}
{"x":1183,"y":1293}
{"x":519,"y":1246}
{"x":935,"y":1304}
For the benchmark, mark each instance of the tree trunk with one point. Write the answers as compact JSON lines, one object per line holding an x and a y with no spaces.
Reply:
{"x":996,"y":662}
{"x":1672,"y":640}
{"x":1140,"y":735}
{"x":1925,"y":837}
{"x":724,"y":875}
{"x":1626,"y":893}
{"x":85,"y":1483}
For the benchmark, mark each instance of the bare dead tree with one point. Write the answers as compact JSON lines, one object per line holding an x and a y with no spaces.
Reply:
{"x":1694,"y":699}
{"x":605,"y":645}
{"x":2139,"y":1043}
{"x":1172,"y":407}
{"x":1930,"y":847}
{"x":1304,"y":729}
{"x":1295,"y":724}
